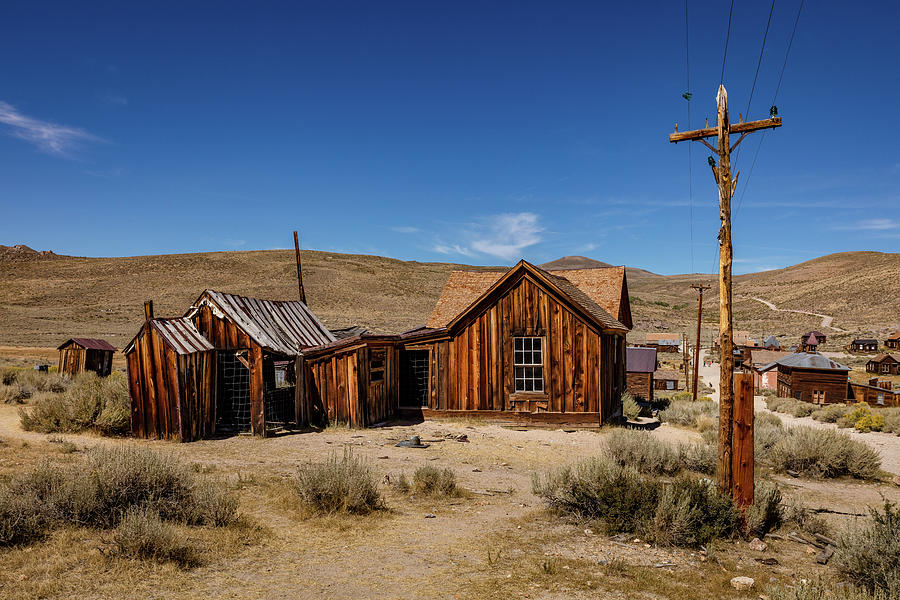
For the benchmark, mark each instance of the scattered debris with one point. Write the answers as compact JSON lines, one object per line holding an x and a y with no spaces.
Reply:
{"x":476,"y":470}
{"x":896,"y":480}
{"x":825,"y":555}
{"x":792,"y":473}
{"x":663,"y":565}
{"x":767,"y":561}
{"x":742,"y":584}
{"x":430,"y":515}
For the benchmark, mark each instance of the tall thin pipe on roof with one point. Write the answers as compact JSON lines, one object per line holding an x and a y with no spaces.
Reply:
{"x":148,"y":309}
{"x":299,"y":270}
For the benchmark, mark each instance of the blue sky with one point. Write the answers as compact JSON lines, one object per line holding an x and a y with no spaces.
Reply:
{"x":476,"y":132}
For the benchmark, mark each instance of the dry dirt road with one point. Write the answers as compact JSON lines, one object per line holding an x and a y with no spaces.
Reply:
{"x":827,"y":320}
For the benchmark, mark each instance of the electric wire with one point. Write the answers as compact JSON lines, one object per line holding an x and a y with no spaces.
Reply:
{"x":727,"y":37}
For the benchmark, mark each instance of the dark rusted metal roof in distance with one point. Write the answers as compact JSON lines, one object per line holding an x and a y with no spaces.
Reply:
{"x":90,"y":344}
{"x":283,"y":327}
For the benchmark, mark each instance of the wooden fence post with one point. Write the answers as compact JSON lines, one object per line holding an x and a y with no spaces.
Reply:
{"x":742,"y":459}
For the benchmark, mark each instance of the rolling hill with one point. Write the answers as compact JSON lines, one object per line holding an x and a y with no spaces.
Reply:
{"x":46,"y":298}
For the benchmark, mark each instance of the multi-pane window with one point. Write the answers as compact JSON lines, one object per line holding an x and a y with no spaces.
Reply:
{"x":528,"y":362}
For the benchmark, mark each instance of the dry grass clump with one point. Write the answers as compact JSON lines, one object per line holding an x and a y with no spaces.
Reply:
{"x":95,"y":403}
{"x":818,"y":589}
{"x":642,"y":451}
{"x":631,"y":410}
{"x":869,"y":554}
{"x":831,"y":413}
{"x":100,"y":489}
{"x":339,"y":485}
{"x":683,"y":512}
{"x":688,"y":413}
{"x":431,"y":481}
{"x":142,"y":535}
{"x":790,"y":406}
{"x":819,"y":453}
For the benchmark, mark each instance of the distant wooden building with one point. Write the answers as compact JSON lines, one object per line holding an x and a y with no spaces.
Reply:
{"x":78,"y":355}
{"x":661,"y":342}
{"x":876,"y":393}
{"x":172,"y":381}
{"x":811,"y":341}
{"x":863,"y":345}
{"x":757,"y":360}
{"x":884,"y":364}
{"x":640,"y":364}
{"x":811,"y":378}
{"x":666,"y":380}
{"x":525,"y":346}
{"x":893,"y":341}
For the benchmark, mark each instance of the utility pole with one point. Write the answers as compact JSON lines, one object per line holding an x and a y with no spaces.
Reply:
{"x":684,"y":361}
{"x":700,"y":288}
{"x":722,"y":174}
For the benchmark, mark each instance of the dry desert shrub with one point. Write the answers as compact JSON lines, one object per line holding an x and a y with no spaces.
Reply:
{"x":431,"y":481}
{"x":142,"y":535}
{"x":339,"y":485}
{"x":820,"y":453}
{"x":94,"y":403}
{"x":689,"y":413}
{"x":869,"y":553}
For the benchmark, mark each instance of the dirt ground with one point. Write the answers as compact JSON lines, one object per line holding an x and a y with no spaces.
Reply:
{"x":497,"y":541}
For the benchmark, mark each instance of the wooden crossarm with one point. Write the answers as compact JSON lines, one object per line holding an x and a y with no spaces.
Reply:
{"x":699,"y":134}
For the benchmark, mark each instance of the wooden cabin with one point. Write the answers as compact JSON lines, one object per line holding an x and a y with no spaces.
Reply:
{"x":524,"y":346}
{"x":78,"y":355}
{"x":353,"y":381}
{"x":665,"y":380}
{"x":884,"y":364}
{"x":863,"y":345}
{"x":893,"y":342}
{"x":172,"y":381}
{"x":640,"y":364}
{"x":811,"y":378}
{"x":876,"y":393}
{"x":250,"y":335}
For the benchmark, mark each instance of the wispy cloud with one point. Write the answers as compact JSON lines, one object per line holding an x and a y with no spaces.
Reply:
{"x":506,"y":235}
{"x":108,"y":173}
{"x":405,"y":229}
{"x":59,"y":140}
{"x":452,"y":249}
{"x":872,"y":225}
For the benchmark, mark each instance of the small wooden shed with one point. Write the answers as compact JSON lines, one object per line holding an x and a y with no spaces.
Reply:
{"x":893,"y":341}
{"x":640,"y":364}
{"x":78,"y":355}
{"x":172,"y":381}
{"x":863,"y":345}
{"x":884,"y":364}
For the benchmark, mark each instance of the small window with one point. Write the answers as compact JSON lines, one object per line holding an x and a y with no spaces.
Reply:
{"x":528,"y":361}
{"x":881,"y":398}
{"x":885,"y":368}
{"x":670,"y":385}
{"x":376,"y":366}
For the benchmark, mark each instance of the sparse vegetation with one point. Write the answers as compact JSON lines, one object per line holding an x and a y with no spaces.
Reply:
{"x":690,"y":414}
{"x":431,"y":481}
{"x":100,"y":404}
{"x":818,"y":589}
{"x":100,"y":489}
{"x":820,"y":453}
{"x":869,"y":554}
{"x":345,"y":484}
{"x":141,"y":534}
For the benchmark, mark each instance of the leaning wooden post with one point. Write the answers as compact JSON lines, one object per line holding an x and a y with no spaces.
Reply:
{"x":299,"y":270}
{"x":743,"y":461}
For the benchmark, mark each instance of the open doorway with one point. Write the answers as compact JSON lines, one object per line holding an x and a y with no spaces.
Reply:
{"x":414,"y":378}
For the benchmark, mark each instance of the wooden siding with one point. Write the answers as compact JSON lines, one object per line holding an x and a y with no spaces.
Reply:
{"x":640,"y":384}
{"x":341,"y":389}
{"x":800,"y":384}
{"x":73,"y":359}
{"x":471,"y":368}
{"x":172,"y":395}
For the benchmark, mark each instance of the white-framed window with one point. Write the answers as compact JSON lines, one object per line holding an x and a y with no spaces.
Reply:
{"x":528,"y":363}
{"x":885,"y":368}
{"x":670,"y":385}
{"x":881,"y":398}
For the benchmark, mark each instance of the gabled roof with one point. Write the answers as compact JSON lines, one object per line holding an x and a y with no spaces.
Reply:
{"x":466,"y":289}
{"x":815,"y":333}
{"x":895,"y":336}
{"x":884,"y":357}
{"x":864,"y":341}
{"x":812,"y":340}
{"x":665,"y":374}
{"x":772,"y":341}
{"x":760,"y":357}
{"x":608,"y":287}
{"x":89,"y":344}
{"x":279,"y":326}
{"x":179,"y":334}
{"x":640,"y":360}
{"x":807,"y":360}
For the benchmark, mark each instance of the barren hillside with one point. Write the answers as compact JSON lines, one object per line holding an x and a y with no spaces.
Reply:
{"x":45,"y":298}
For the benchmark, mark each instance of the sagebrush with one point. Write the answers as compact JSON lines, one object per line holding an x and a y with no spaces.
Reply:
{"x":346,"y":484}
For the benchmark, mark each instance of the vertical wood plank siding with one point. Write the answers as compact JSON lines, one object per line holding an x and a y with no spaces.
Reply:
{"x":584,"y":368}
{"x":340,"y":389}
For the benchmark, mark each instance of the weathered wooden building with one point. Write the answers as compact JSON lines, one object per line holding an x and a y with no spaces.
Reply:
{"x":172,"y":381}
{"x":661,"y":342}
{"x":893,"y":341}
{"x":250,"y":335}
{"x":876,"y":393}
{"x":526,"y":346}
{"x":811,"y":341}
{"x":78,"y":355}
{"x":666,"y":380}
{"x":353,"y":381}
{"x":863,"y":345}
{"x":884,"y":364}
{"x":759,"y":359}
{"x":811,"y":377}
{"x":640,"y":364}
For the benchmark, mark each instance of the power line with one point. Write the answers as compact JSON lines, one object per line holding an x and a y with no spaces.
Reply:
{"x":727,"y":36}
{"x":774,"y":98}
{"x":762,"y":49}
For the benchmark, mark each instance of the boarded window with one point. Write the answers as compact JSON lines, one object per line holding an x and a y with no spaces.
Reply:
{"x":528,"y":362}
{"x":818,"y":396}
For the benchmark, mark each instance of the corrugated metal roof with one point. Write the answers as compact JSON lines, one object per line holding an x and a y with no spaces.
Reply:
{"x":640,"y":360}
{"x":283,"y":327}
{"x":807,"y":360}
{"x":90,"y":344}
{"x":181,"y":335}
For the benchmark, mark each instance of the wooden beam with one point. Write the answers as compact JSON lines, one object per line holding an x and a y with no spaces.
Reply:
{"x":708,"y":132}
{"x":743,"y":462}
{"x":299,"y":270}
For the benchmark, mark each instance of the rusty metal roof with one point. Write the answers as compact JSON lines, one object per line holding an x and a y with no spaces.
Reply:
{"x":90,"y":344}
{"x":181,"y":335}
{"x":283,"y":327}
{"x":640,"y":360}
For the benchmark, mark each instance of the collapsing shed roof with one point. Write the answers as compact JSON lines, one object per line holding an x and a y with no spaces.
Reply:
{"x":282,"y":327}
{"x":89,"y":344}
{"x":179,"y":334}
